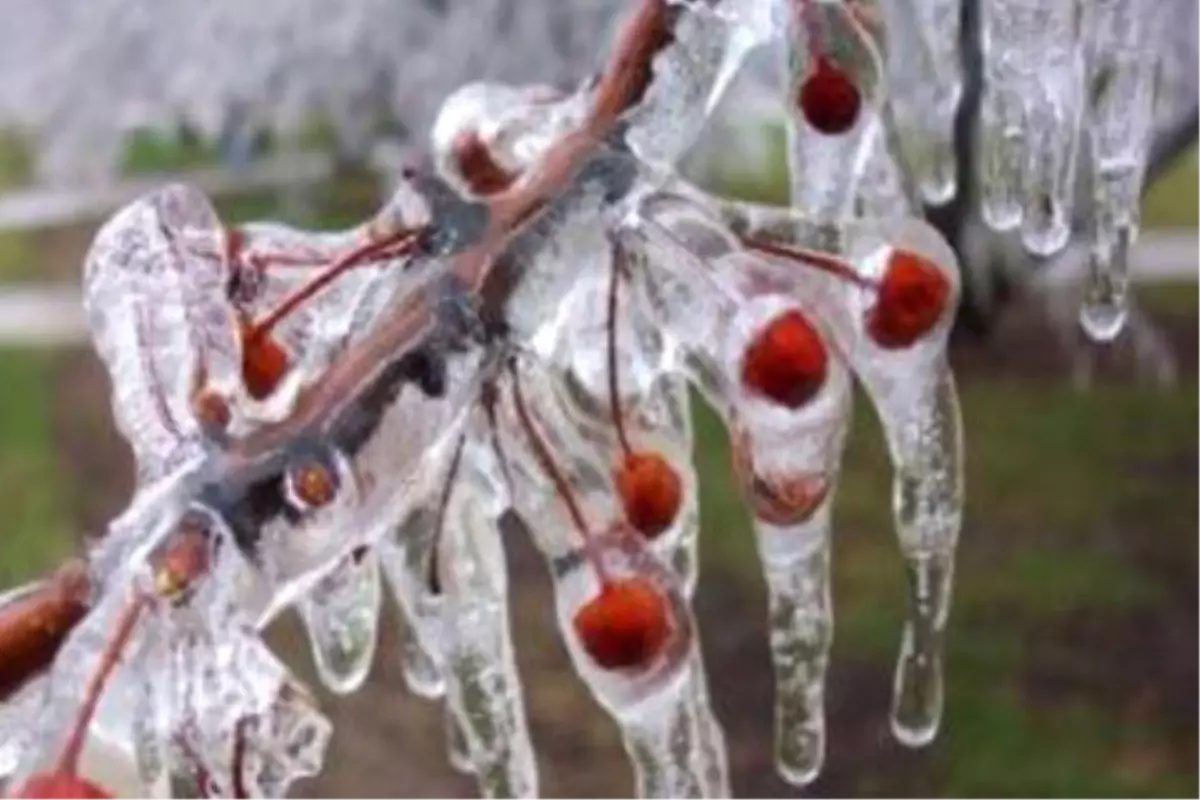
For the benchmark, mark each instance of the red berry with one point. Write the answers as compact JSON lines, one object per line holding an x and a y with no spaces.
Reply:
{"x":264,"y":362}
{"x":483,"y":174}
{"x":624,"y":626}
{"x":912,"y":298}
{"x":787,"y":361}
{"x":829,"y":99}
{"x":651,"y":492}
{"x":60,"y":785}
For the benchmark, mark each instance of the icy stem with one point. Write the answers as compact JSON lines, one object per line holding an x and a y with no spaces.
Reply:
{"x":341,"y":615}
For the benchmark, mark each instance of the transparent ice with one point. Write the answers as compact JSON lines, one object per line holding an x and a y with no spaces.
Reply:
{"x":475,"y":359}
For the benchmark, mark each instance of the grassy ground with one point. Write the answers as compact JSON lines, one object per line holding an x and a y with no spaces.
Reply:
{"x":1071,"y":661}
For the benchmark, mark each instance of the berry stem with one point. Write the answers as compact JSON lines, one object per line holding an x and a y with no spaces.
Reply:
{"x":614,"y":390}
{"x":814,"y":259}
{"x":68,"y":762}
{"x":391,"y":246}
{"x":817,"y":46}
{"x":542,"y":452}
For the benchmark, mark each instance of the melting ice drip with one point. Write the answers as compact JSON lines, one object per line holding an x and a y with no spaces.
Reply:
{"x":508,"y":343}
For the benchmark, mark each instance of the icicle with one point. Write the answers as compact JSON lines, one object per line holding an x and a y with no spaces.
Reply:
{"x":341,"y":615}
{"x":484,"y":689}
{"x":1029,"y":124}
{"x":834,"y":80}
{"x":1001,"y":127}
{"x":1054,"y":102}
{"x":925,"y":85}
{"x":910,"y":383}
{"x":787,"y":460}
{"x":406,"y":565}
{"x":913,"y":391}
{"x":1120,"y":121}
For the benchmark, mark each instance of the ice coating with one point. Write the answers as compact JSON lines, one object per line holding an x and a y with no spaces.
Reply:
{"x":485,"y":353}
{"x":160,"y":322}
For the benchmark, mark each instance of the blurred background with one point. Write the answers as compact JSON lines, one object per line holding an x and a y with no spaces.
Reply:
{"x":1072,"y":651}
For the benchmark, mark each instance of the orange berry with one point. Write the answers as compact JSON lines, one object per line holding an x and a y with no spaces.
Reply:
{"x":912,"y":298}
{"x":313,"y":483}
{"x":829,"y":99}
{"x":624,"y":626}
{"x":264,"y":362}
{"x":787,"y":361}
{"x":60,"y":785}
{"x":651,"y":492}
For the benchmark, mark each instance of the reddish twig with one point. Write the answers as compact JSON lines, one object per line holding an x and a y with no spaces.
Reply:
{"x":812,"y":258}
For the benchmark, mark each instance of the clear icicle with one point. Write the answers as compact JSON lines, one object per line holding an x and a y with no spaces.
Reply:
{"x":483,"y":687}
{"x":925,"y":85}
{"x":790,"y":490}
{"x":927,"y":504}
{"x":1029,"y":119}
{"x":913,"y":391}
{"x":826,"y":167}
{"x":660,"y":743}
{"x":1120,"y":118}
{"x":405,"y":558}
{"x":341,"y":615}
{"x":1001,"y":126}
{"x":1054,"y":105}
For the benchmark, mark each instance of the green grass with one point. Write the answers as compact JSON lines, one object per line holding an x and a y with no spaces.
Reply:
{"x":36,"y":532}
{"x":1172,"y":202}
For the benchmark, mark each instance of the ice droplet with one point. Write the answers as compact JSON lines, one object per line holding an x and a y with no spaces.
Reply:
{"x":341,"y":615}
